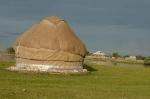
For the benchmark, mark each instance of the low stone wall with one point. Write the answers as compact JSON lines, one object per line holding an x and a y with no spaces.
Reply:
{"x":7,"y":57}
{"x":119,"y":60}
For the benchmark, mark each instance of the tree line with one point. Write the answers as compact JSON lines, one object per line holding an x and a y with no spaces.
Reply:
{"x":9,"y":50}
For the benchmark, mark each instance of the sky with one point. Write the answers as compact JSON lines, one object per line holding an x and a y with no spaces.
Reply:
{"x":121,"y":26}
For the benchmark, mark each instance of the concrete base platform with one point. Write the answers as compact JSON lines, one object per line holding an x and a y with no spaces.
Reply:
{"x":47,"y":68}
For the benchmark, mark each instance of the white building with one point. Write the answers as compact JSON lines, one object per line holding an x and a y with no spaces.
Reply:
{"x":131,"y":58}
{"x":100,"y":54}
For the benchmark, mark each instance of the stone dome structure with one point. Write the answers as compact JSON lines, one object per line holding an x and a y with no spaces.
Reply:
{"x":50,"y":46}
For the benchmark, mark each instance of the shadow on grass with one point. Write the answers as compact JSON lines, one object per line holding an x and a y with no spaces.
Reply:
{"x":146,"y":66}
{"x":89,"y":68}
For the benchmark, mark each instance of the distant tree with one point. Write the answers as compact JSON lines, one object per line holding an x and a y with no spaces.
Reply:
{"x":10,"y":50}
{"x":147,"y":61}
{"x":140,"y":57}
{"x":115,"y":54}
{"x":88,"y":53}
{"x":126,"y":56}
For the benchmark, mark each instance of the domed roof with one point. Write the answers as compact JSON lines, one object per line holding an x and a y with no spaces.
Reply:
{"x":52,"y":33}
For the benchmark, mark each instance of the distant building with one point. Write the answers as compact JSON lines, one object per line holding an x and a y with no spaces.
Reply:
{"x":100,"y":54}
{"x":130,"y":58}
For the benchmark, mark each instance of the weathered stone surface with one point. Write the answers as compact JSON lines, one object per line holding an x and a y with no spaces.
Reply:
{"x":49,"y":46}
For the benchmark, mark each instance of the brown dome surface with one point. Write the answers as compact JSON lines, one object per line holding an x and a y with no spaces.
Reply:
{"x":49,"y":46}
{"x":54,"y":34}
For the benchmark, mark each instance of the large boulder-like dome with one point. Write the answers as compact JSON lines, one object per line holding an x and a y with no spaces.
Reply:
{"x":50,"y":46}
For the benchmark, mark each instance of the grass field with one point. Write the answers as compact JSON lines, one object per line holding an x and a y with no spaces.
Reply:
{"x":104,"y":82}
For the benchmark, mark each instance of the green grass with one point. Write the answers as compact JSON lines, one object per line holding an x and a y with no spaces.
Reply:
{"x":104,"y":82}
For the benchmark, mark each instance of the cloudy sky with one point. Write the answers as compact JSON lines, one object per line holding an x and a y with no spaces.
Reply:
{"x":106,"y":25}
